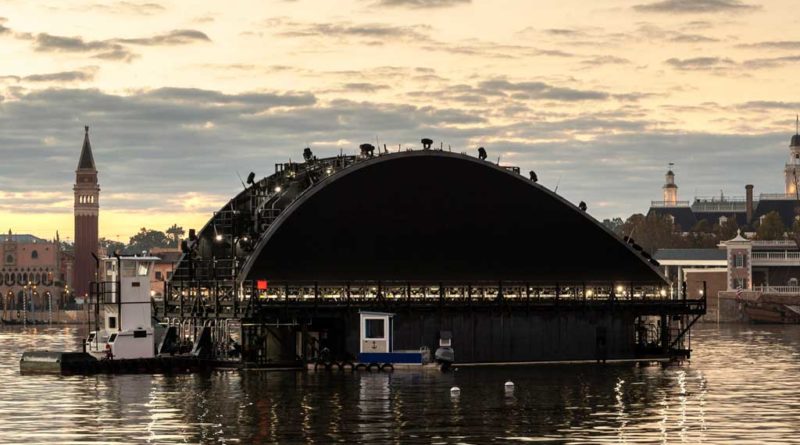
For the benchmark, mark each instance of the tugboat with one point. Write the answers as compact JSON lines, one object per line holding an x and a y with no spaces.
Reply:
{"x":126,"y":343}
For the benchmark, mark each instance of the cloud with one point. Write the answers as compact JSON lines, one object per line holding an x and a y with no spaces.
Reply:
{"x":695,"y":6}
{"x":112,"y":49}
{"x":210,"y":97}
{"x":84,"y":75}
{"x":118,"y":54}
{"x":127,"y":8}
{"x":605,"y":60}
{"x":777,"y":44}
{"x":701,"y":63}
{"x":49,"y":42}
{"x":721,"y":65}
{"x":540,"y":90}
{"x":769,"y":105}
{"x":691,"y":38}
{"x":770,"y":62}
{"x":422,"y":4}
{"x":370,"y":31}
{"x":198,"y":139}
{"x":103,"y":49}
{"x":364,"y":87}
{"x":176,"y":37}
{"x":183,"y":133}
{"x":596,"y":37}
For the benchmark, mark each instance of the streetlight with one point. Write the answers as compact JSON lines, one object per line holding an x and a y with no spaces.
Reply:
{"x":49,"y":308}
{"x":26,"y":295}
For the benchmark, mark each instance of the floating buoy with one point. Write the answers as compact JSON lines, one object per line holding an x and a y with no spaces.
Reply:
{"x":454,"y":391}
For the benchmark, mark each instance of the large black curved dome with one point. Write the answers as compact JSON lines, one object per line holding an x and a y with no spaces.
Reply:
{"x":438,"y":216}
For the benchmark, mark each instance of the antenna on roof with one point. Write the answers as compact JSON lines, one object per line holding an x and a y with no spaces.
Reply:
{"x":240,"y":180}
{"x":557,"y":184}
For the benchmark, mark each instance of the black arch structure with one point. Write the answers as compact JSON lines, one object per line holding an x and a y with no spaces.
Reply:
{"x":444,"y":217}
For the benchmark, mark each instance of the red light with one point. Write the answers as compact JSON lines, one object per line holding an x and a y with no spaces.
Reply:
{"x":261,"y":284}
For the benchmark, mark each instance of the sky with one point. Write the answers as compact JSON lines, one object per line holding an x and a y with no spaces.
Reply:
{"x":596,"y":97}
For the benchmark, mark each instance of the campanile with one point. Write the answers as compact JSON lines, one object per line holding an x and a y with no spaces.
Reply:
{"x":87,"y":210}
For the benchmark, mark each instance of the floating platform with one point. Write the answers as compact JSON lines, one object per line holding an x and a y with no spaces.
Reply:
{"x":366,"y":259}
{"x":82,"y":363}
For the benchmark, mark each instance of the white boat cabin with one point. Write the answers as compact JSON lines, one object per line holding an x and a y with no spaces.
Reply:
{"x":125,"y":310}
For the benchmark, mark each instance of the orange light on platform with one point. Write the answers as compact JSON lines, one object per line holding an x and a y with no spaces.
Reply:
{"x":261,"y":284}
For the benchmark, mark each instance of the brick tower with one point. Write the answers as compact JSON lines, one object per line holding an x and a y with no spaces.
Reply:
{"x":87,"y":209}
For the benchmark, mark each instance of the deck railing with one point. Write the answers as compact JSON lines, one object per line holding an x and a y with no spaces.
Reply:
{"x":773,"y":258}
{"x":668,"y":204}
{"x":778,"y":196}
{"x":793,"y":290}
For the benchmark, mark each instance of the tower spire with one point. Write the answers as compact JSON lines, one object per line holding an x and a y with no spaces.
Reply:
{"x":86,"y":161}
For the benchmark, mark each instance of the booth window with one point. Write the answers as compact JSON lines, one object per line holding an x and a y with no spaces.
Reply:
{"x":374,"y":328}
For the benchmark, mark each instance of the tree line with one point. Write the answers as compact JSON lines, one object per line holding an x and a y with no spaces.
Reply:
{"x":145,"y":240}
{"x":654,"y":231}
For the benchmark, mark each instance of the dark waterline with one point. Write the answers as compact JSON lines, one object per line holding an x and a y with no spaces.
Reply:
{"x":741,"y":386}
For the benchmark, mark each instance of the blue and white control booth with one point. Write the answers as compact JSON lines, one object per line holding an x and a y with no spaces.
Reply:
{"x":125,"y":309}
{"x":377,"y":342}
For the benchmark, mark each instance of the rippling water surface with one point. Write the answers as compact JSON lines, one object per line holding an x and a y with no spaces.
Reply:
{"x":743,"y":385}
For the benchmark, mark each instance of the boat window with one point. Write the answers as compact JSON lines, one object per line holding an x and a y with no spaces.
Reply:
{"x":140,"y":333}
{"x":112,"y":338}
{"x":142,"y":269}
{"x":128,"y":269}
{"x":374,"y":328}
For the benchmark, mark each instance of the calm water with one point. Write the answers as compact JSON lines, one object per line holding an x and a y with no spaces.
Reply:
{"x":742,"y":386}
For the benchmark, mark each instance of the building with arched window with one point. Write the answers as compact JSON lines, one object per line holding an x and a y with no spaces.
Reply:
{"x":32,"y":271}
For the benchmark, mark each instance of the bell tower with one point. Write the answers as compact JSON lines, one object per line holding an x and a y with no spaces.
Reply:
{"x":87,"y":210}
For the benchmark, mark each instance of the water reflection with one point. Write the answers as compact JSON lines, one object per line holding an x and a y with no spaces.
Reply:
{"x":740,"y":387}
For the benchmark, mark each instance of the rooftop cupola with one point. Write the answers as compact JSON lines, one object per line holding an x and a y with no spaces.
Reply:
{"x":670,"y":189}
